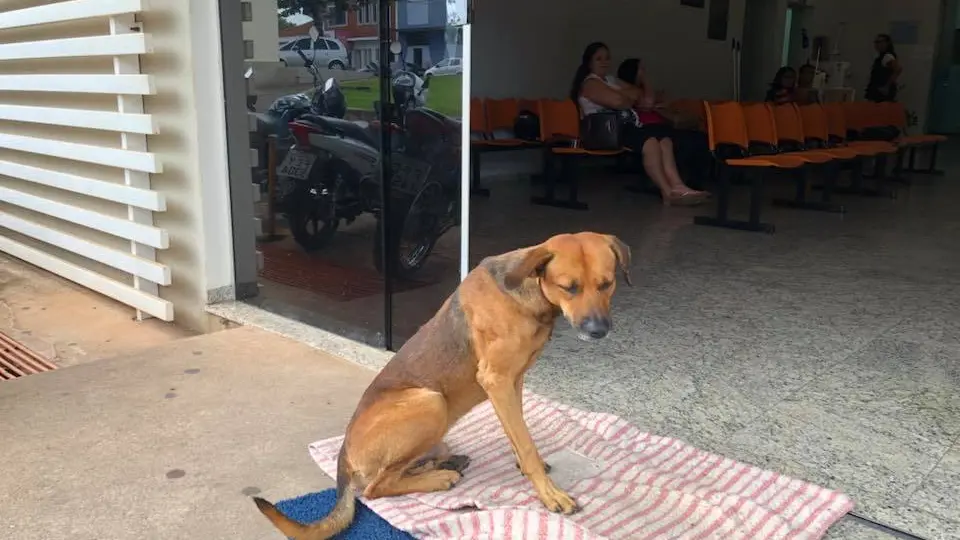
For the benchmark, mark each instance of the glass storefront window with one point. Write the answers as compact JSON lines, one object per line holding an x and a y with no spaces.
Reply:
{"x":358,"y":160}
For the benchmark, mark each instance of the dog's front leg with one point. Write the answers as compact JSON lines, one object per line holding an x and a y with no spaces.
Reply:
{"x":507,"y":403}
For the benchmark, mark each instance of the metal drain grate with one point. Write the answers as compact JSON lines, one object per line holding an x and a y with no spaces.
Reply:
{"x":16,"y":360}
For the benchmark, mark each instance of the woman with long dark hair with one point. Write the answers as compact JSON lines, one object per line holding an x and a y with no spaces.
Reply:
{"x":595,"y":90}
{"x":885,"y":71}
{"x":691,"y":146}
{"x":784,"y":86}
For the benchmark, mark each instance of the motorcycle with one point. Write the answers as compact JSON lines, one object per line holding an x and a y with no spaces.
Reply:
{"x":332,"y":174}
{"x":276,"y":120}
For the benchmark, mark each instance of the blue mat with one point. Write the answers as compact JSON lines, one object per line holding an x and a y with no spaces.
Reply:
{"x":366,"y":526}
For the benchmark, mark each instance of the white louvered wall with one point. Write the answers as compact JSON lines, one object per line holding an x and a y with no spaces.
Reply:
{"x":75,"y":164}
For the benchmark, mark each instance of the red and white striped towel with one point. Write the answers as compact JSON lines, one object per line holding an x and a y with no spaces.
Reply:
{"x":633,"y":485}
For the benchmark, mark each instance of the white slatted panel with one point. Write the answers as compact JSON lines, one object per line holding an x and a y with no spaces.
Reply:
{"x":44,"y":187}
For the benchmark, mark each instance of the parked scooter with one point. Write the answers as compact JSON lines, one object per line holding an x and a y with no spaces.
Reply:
{"x":275,"y":122}
{"x":332,"y":174}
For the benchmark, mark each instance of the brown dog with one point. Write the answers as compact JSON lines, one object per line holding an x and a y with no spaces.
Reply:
{"x":478,"y":346}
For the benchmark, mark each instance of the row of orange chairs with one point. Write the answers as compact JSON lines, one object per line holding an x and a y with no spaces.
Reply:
{"x":757,"y":139}
{"x":764,"y":138}
{"x":826,"y":130}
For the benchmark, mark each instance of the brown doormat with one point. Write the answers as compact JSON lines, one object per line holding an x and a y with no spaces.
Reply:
{"x":17,"y":360}
{"x":311,"y":273}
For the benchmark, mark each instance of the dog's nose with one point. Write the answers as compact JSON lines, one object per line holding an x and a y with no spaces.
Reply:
{"x":596,"y":327}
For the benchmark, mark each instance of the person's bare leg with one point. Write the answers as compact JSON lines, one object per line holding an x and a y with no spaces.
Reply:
{"x":653,"y":165}
{"x":669,"y":160}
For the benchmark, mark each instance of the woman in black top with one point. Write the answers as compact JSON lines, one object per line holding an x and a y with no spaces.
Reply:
{"x":885,"y":71}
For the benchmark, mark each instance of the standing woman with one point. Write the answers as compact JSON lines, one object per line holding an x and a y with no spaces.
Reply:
{"x":885,"y":71}
{"x":596,"y":90}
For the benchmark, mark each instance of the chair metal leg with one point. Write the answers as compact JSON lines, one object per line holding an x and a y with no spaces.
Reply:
{"x":568,"y":171}
{"x":723,"y":200}
{"x":931,"y":169}
{"x":800,"y":201}
{"x":475,"y":189}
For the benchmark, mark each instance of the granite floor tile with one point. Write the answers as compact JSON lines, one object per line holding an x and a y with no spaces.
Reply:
{"x":852,"y":529}
{"x":939,"y":493}
{"x":836,"y":452}
{"x":904,"y":391}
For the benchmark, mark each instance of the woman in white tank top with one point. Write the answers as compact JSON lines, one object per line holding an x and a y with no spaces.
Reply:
{"x":594,"y":90}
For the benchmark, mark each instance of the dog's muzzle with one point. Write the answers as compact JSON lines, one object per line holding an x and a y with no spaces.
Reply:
{"x":594,"y":328}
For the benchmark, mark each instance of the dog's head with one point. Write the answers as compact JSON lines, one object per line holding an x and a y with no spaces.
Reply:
{"x":578,"y":274}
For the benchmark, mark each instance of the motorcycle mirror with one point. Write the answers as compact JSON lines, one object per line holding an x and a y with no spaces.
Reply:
{"x":248,"y":73}
{"x":314,"y":34}
{"x":396,"y":48}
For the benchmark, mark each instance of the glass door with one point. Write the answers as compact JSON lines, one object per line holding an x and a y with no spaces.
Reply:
{"x":423,"y":233}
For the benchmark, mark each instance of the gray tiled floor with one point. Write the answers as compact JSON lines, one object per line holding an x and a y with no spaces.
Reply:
{"x":828,"y":351}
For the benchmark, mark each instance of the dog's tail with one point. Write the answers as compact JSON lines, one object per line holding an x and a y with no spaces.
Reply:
{"x":335,"y":522}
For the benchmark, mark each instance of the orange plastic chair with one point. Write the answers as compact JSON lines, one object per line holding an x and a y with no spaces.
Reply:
{"x":762,"y":130}
{"x":789,"y":128}
{"x":560,"y":122}
{"x":837,"y":129}
{"x":478,"y":117}
{"x":727,"y":133}
{"x":500,"y":115}
{"x":817,"y":132}
{"x":897,"y":117}
{"x":560,"y":132}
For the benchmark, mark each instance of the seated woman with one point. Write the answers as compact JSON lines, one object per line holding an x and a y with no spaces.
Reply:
{"x":806,"y":93}
{"x":692,"y":148}
{"x":594,"y":90}
{"x":783,"y":87}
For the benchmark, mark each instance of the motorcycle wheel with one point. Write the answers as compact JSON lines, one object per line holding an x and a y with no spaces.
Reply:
{"x":309,"y":227}
{"x":412,"y":232}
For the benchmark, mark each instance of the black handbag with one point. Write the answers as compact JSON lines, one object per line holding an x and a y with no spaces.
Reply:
{"x":601,"y":131}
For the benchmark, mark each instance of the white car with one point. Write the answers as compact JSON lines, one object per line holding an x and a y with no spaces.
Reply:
{"x":447,"y":66}
{"x":326,"y":53}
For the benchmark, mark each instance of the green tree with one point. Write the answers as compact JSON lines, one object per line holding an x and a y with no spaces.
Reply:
{"x":282,"y":22}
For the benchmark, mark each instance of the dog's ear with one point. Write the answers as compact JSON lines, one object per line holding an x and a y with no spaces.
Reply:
{"x":530,"y":264}
{"x":622,"y":252}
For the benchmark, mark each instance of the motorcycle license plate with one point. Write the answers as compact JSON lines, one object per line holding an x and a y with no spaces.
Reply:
{"x":297,"y":165}
{"x":408,"y":175}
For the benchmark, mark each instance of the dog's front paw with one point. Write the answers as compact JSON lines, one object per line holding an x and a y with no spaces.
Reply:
{"x":558,"y":501}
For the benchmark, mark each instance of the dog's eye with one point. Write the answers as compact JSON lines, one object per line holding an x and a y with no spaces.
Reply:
{"x":572,"y":288}
{"x":605,"y":285}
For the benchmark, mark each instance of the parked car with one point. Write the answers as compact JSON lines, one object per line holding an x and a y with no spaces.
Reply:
{"x":447,"y":66}
{"x":325,"y":52}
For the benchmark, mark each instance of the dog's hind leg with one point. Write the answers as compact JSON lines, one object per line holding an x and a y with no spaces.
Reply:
{"x":440,"y":458}
{"x":402,"y":446}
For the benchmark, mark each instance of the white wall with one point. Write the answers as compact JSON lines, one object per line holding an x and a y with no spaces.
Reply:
{"x":917,"y":60}
{"x":540,"y":43}
{"x":263,"y":30}
{"x":530,"y":49}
